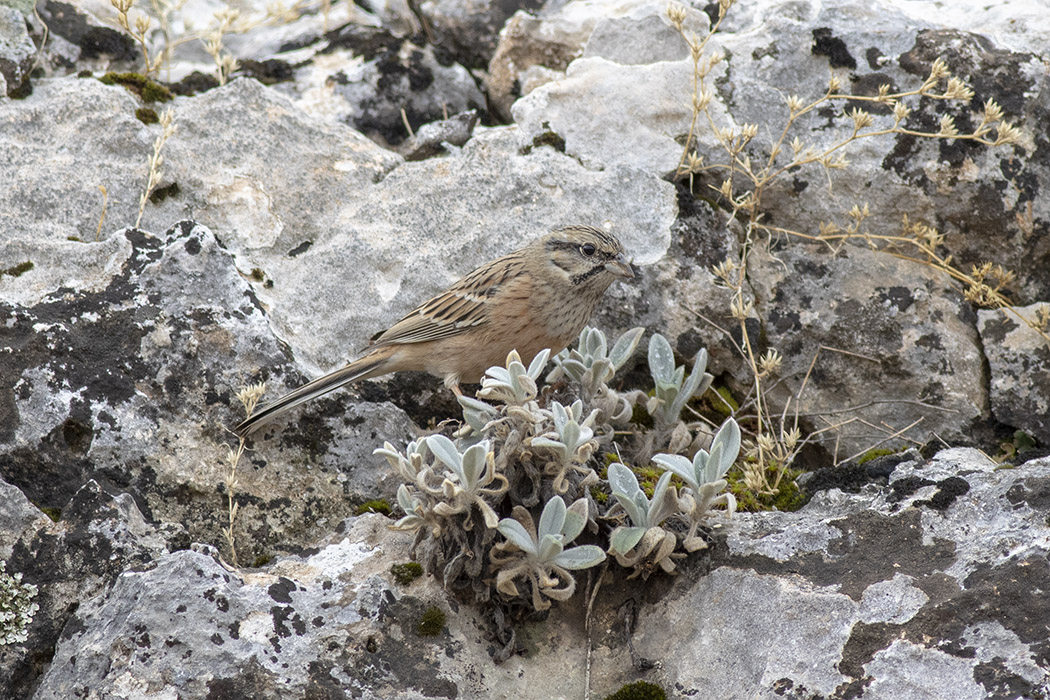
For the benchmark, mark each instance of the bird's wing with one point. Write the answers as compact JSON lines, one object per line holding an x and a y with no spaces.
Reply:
{"x":459,"y":308}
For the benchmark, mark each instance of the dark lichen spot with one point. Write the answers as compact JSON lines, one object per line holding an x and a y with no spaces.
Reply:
{"x":431,"y":623}
{"x":824,"y":44}
{"x":24,"y":90}
{"x":300,"y":249}
{"x":406,"y":573}
{"x":161,"y":193}
{"x":640,"y":690}
{"x":147,"y":115}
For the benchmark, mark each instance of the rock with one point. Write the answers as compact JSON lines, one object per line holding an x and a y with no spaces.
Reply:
{"x":892,"y":348}
{"x":17,"y":50}
{"x":396,"y":76}
{"x":907,"y":589}
{"x":936,"y":181}
{"x":470,"y":29}
{"x":18,"y":517}
{"x":940,"y":574}
{"x":100,"y":535}
{"x":1019,"y":360}
{"x":432,"y":138}
{"x":79,"y":40}
{"x":149,"y":350}
{"x":647,"y":121}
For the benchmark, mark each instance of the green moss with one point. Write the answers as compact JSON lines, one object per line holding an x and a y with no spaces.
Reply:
{"x":431,"y":623}
{"x":147,"y":115}
{"x":789,"y":497}
{"x":406,"y":573}
{"x":598,"y":495}
{"x":875,"y":454}
{"x":639,"y":691}
{"x":148,"y":90}
{"x":51,"y":512}
{"x":75,"y":239}
{"x":262,"y":560}
{"x":378,"y":506}
{"x":641,"y":417}
{"x":17,"y":270}
{"x":257,"y":275}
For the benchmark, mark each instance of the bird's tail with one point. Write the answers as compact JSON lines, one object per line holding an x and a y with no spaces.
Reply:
{"x":358,"y":369}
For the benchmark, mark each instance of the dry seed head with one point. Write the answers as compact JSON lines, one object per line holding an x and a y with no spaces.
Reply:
{"x":794,"y":103}
{"x":992,"y":111}
{"x":749,"y":131}
{"x":727,"y":189}
{"x":790,"y":438}
{"x":948,"y":126}
{"x":828,"y":228}
{"x":770,"y":363}
{"x":694,"y":162}
{"x":797,"y":146}
{"x":900,"y":112}
{"x":724,"y":271}
{"x":938,"y":70}
{"x":834,"y":84}
{"x":676,"y":14}
{"x":1007,"y":134}
{"x":884,"y":90}
{"x":142,"y":24}
{"x":122,"y":6}
{"x":250,"y":394}
{"x":723,"y":6}
{"x":958,"y":90}
{"x":860,"y":118}
{"x":740,"y":310}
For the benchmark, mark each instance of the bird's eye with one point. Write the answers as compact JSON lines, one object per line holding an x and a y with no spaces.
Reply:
{"x":588,"y":249}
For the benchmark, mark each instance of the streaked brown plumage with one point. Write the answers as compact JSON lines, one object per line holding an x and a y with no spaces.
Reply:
{"x":540,"y":296}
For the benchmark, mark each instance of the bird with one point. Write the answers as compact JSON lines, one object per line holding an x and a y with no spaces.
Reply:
{"x":537,"y":297}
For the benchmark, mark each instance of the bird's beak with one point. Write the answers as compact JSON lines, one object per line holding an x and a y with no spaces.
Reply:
{"x":620,"y":267}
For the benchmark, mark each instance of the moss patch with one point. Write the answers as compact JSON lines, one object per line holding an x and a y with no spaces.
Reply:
{"x":378,"y":506}
{"x":431,"y":623}
{"x":147,"y":115}
{"x":17,"y":270}
{"x":406,"y":573}
{"x":148,"y":90}
{"x":639,"y":691}
{"x":789,"y":497}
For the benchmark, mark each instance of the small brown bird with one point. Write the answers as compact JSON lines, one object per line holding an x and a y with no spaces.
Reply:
{"x":538,"y":297}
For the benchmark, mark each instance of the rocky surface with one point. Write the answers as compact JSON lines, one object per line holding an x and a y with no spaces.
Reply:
{"x":295,"y":215}
{"x":1019,"y":361}
{"x":934,"y":578}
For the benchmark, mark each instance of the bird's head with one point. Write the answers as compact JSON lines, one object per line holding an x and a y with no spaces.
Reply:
{"x":586,"y":256}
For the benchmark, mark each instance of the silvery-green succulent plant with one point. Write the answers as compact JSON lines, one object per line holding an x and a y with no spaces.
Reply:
{"x":673,"y":388}
{"x":540,"y":556}
{"x":590,"y":363}
{"x":407,"y":465}
{"x":570,"y":444}
{"x":466,"y":483}
{"x":642,"y":545}
{"x":704,"y":478}
{"x":513,"y":384}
